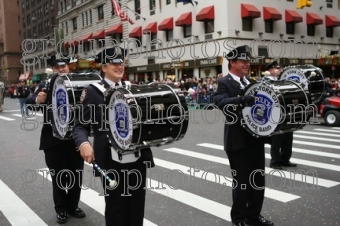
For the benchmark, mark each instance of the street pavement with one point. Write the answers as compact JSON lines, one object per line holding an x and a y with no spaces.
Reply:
{"x":190,"y":185}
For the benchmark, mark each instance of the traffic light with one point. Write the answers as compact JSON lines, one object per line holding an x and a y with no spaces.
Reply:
{"x":302,"y":3}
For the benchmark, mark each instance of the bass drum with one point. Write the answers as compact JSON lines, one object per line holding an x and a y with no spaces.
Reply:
{"x":310,"y":77}
{"x":280,"y":107}
{"x":145,"y":116}
{"x":65,"y":91}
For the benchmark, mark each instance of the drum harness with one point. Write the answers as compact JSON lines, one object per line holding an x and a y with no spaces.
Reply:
{"x":120,"y":153}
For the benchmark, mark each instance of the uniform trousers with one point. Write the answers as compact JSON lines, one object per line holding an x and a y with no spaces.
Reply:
{"x":281,"y":148}
{"x":125,"y":207}
{"x":65,"y":161}
{"x":248,"y":181}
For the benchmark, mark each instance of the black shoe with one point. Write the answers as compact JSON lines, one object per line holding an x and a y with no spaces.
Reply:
{"x":276,"y":166}
{"x":62,"y":217}
{"x":258,"y":221}
{"x":78,"y":213}
{"x":288,"y":164}
{"x":239,"y":224}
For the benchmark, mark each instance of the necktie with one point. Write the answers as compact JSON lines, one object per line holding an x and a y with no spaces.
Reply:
{"x":243,"y":82}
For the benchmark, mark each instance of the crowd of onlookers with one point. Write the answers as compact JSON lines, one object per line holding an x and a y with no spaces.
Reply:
{"x":332,"y":87}
{"x":196,"y":91}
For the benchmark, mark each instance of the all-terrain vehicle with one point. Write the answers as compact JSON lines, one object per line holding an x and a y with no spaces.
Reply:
{"x":329,"y":109}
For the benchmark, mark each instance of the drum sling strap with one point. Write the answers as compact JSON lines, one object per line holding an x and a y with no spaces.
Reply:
{"x":117,"y":155}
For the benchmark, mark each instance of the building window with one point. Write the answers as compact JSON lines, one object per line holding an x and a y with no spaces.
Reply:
{"x":329,"y":3}
{"x":90,"y":14}
{"x":247,"y":24}
{"x":290,"y":28}
{"x":117,"y":37}
{"x":74,"y":3}
{"x":61,"y":7}
{"x":74,"y":23}
{"x":169,"y":35}
{"x":152,"y":4}
{"x":187,"y":31}
{"x":168,"y":2}
{"x":100,"y":10}
{"x":86,"y":19}
{"x":268,"y":26}
{"x":329,"y":32}
{"x":66,"y":26}
{"x":263,"y":51}
{"x":209,"y":26}
{"x":311,"y":30}
{"x":137,"y":7}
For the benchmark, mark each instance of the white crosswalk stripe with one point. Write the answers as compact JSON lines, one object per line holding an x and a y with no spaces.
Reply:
{"x":15,"y":210}
{"x":319,"y":137}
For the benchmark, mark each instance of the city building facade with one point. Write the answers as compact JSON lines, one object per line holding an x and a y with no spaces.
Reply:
{"x":166,"y":39}
{"x":10,"y":41}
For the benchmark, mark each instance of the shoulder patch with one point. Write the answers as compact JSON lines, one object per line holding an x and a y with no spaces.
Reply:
{"x":83,"y":95}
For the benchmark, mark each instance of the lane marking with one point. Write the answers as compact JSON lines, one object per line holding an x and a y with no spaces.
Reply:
{"x":15,"y":210}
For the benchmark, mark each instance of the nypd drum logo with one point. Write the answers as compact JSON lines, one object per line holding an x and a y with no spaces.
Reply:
{"x":60,"y":103}
{"x":296,"y":75}
{"x":263,"y":117}
{"x":120,"y":120}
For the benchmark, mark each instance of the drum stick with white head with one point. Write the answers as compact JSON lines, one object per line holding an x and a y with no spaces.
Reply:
{"x":112,"y":183}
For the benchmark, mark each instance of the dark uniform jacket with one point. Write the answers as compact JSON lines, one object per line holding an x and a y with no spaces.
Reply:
{"x":228,"y":93}
{"x":47,"y":140}
{"x":101,"y":145}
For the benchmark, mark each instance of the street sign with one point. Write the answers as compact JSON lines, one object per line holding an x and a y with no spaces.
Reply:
{"x":174,"y":65}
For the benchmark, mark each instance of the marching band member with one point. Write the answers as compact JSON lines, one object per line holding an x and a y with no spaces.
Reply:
{"x":123,"y":207}
{"x":281,"y":144}
{"x":245,"y":152}
{"x":60,"y":155}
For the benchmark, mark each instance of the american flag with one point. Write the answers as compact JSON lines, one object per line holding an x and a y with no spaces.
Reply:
{"x":117,"y":11}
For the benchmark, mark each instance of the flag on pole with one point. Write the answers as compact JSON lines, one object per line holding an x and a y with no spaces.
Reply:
{"x":186,"y":1}
{"x":117,"y":11}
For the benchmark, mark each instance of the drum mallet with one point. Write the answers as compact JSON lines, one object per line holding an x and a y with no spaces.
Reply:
{"x":112,"y":183}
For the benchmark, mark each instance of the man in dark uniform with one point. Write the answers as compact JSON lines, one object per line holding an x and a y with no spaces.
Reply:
{"x":245,"y":152}
{"x":281,"y":144}
{"x":120,"y":209}
{"x":60,"y":155}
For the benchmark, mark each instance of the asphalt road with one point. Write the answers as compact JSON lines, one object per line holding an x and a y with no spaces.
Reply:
{"x":190,"y":184}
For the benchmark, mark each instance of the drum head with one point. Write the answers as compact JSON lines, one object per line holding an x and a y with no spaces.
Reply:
{"x":61,"y":109}
{"x":120,"y":119}
{"x":295,"y":74}
{"x":264,"y":116}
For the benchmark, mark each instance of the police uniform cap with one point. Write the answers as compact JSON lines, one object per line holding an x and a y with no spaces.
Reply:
{"x":273,"y":64}
{"x":115,"y":55}
{"x":240,"y":53}
{"x":58,"y":59}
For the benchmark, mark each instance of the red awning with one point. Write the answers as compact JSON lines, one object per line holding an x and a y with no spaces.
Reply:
{"x":313,"y":18}
{"x":136,"y":32}
{"x":85,"y":38}
{"x":332,"y":21}
{"x":118,"y":28}
{"x":99,"y":35}
{"x":167,"y":24}
{"x":207,"y":13}
{"x":270,"y":13}
{"x":184,"y":19}
{"x":75,"y":42}
{"x":248,"y":10}
{"x":66,"y":44}
{"x":293,"y":16}
{"x":152,"y":27}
